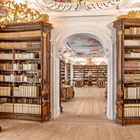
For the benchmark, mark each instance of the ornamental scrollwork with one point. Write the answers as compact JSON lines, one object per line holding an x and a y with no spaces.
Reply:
{"x":130,"y":15}
{"x":19,"y":13}
{"x":79,"y":4}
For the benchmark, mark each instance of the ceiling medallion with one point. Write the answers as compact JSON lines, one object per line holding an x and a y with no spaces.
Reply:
{"x":18,"y":13}
{"x":80,"y":4}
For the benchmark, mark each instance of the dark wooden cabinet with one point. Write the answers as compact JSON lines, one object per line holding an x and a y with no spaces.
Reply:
{"x":67,"y":93}
{"x":25,"y":71}
{"x":66,"y":90}
{"x":128,"y":68}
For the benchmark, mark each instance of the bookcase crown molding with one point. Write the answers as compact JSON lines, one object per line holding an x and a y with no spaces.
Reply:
{"x":130,"y":15}
{"x":19,"y":13}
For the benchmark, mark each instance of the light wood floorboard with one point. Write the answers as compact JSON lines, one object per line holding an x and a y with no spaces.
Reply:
{"x":83,"y":119}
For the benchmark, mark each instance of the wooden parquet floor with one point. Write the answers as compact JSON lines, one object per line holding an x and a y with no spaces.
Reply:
{"x":83,"y":119}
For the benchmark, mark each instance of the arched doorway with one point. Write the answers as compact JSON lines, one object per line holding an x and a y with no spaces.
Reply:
{"x":58,"y":40}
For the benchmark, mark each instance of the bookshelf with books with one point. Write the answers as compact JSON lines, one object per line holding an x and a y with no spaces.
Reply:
{"x":62,"y":72}
{"x":62,"y":82}
{"x":128,"y":53}
{"x":98,"y":73}
{"x":78,"y":75}
{"x":25,"y":71}
{"x":66,"y":90}
{"x":68,"y":73}
{"x":90,"y":69}
{"x":102,"y":75}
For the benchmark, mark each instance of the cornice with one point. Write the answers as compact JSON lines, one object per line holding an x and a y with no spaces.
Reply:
{"x":51,"y":5}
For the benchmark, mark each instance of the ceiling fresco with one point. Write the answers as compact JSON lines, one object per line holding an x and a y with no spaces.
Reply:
{"x":74,"y":1}
{"x":85,"y":46}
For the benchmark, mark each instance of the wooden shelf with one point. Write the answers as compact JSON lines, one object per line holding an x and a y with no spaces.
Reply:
{"x":136,"y":36}
{"x":132,"y":47}
{"x":128,"y":109}
{"x":132,"y":58}
{"x":21,"y":39}
{"x":25,"y":97}
{"x":98,"y":71}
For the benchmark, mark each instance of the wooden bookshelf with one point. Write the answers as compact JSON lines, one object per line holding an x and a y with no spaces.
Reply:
{"x":68,"y":73}
{"x":62,"y":72}
{"x":93,"y":70}
{"x":98,"y":72}
{"x":67,"y":93}
{"x":101,"y":75}
{"x":128,"y":61}
{"x":62,"y":82}
{"x":78,"y":75}
{"x":25,"y":71}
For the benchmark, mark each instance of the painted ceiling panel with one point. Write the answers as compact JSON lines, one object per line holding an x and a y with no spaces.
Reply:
{"x":85,"y":46}
{"x":73,"y":1}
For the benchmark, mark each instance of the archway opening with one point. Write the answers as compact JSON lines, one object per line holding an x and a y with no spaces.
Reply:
{"x":83,"y":75}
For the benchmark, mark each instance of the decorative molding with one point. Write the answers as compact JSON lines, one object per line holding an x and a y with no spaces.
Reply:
{"x":85,"y":5}
{"x":19,"y":13}
{"x":130,"y":15}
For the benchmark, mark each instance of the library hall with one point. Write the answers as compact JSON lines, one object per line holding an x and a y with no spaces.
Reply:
{"x":69,"y":69}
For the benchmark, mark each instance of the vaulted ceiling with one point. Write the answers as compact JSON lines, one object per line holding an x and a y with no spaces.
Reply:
{"x":74,"y":1}
{"x":85,"y":46}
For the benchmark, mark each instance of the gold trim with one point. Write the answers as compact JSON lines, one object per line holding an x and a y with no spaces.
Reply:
{"x":44,"y":38}
{"x":130,"y":15}
{"x":120,"y":55}
{"x":19,"y":13}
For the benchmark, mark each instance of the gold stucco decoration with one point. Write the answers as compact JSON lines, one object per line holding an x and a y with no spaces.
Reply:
{"x":19,"y":13}
{"x":131,"y":15}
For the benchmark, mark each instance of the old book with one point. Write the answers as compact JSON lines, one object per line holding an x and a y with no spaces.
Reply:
{"x":20,"y":34}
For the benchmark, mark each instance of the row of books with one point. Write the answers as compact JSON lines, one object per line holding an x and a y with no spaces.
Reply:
{"x":20,"y":78}
{"x":20,"y":34}
{"x":132,"y":110}
{"x":130,"y":65}
{"x":132,"y":54}
{"x":78,"y":78}
{"x":19,"y":45}
{"x":6,"y":56}
{"x":132,"y":93}
{"x":18,"y":66}
{"x":21,"y":100}
{"x":5,"y":91}
{"x":26,"y":91}
{"x":25,"y":66}
{"x":25,"y":56}
{"x":132,"y":43}
{"x":130,"y":78}
{"x":20,"y":108}
{"x":17,"y":56}
{"x":6,"y":66}
{"x":78,"y":70}
{"x":26,"y":100}
{"x":132,"y":31}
